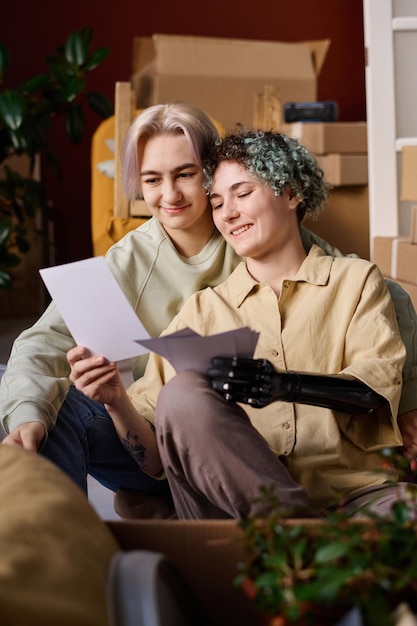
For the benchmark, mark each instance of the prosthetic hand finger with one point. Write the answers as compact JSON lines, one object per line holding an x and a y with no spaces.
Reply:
{"x":242,"y":391}
{"x":241,"y":368}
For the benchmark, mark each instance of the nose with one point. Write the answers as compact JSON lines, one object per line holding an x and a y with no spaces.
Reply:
{"x":229,"y":210}
{"x":171,"y":193}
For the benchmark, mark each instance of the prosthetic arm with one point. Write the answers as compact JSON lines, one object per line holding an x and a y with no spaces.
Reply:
{"x":257,"y":383}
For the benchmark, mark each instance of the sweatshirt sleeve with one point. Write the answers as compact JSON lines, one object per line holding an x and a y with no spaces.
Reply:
{"x":35,"y":382}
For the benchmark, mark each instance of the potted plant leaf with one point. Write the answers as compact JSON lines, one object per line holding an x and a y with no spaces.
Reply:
{"x":315,"y":571}
{"x":26,"y":115}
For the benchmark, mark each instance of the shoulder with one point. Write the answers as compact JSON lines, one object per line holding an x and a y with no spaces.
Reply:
{"x":147,"y":234}
{"x":134,"y":257}
{"x":140,"y":246}
{"x":348,"y":274}
{"x":355,"y":268}
{"x":355,"y":263}
{"x":317,"y":257}
{"x":361,"y":277}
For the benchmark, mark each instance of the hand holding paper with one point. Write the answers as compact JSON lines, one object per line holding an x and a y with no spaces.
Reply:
{"x":95,"y":308}
{"x":100,"y":318}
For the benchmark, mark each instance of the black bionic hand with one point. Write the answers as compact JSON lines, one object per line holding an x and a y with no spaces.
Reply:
{"x":251,"y":381}
{"x":256,"y":382}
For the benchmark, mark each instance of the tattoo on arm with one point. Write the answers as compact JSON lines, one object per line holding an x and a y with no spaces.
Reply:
{"x":135,"y":448}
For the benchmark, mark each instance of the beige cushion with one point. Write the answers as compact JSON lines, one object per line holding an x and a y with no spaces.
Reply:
{"x":54,"y":549}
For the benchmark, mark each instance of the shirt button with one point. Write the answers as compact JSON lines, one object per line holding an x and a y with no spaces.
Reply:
{"x":397,"y":381}
{"x":286,"y":425}
{"x":274,"y":353}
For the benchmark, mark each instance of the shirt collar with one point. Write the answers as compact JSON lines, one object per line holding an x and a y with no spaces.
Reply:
{"x":315,"y":269}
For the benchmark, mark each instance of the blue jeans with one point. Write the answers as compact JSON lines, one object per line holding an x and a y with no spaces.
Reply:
{"x":84,"y":441}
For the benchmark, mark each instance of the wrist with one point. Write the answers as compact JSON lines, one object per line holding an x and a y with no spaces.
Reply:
{"x":286,"y":386}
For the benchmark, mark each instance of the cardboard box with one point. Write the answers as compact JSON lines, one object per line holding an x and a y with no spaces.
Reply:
{"x":406,"y":262}
{"x":345,"y":221}
{"x":206,"y":553}
{"x":223,"y":76}
{"x":382,"y":254}
{"x":330,"y":137}
{"x":344,"y":169}
{"x":385,"y":254}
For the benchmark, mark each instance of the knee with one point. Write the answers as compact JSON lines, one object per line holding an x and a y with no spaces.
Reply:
{"x":180,"y":398}
{"x":188,"y":402}
{"x":184,"y":416}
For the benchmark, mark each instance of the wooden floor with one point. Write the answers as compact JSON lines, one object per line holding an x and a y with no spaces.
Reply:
{"x":100,"y":497}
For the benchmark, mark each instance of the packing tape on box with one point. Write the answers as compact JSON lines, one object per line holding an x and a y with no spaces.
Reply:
{"x":394,"y":255}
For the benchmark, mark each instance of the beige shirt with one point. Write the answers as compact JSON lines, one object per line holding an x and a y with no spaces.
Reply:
{"x":336,"y":316}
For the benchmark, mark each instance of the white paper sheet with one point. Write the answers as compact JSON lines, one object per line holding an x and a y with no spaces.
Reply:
{"x":95,"y":308}
{"x":187,"y":350}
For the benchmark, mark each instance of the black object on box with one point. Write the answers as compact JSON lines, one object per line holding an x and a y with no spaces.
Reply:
{"x":326,"y":111}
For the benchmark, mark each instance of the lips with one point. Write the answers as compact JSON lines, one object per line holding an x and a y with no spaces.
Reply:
{"x":174,"y":209}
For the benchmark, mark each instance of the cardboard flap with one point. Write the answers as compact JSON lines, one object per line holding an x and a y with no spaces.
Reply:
{"x":318,"y":50}
{"x":206,"y":56}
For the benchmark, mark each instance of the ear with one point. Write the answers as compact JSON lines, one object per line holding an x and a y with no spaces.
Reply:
{"x":294,"y":200}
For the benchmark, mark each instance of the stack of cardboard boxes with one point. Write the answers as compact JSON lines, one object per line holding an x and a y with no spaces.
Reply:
{"x":341,"y":150}
{"x":396,"y":257}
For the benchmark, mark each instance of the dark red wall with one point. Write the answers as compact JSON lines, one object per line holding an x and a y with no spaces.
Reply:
{"x":31,"y":30}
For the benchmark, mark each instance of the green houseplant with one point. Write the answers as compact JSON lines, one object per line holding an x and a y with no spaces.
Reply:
{"x":26,"y":115}
{"x":313,"y":572}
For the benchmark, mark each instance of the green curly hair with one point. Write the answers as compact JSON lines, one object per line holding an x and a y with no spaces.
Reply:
{"x":277,"y":160}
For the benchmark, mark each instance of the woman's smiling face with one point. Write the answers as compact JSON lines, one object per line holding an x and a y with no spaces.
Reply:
{"x":172,"y":182}
{"x":252,"y":219}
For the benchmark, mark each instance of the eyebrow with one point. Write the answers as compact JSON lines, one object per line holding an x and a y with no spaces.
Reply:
{"x":176,"y":170}
{"x":232,"y":187}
